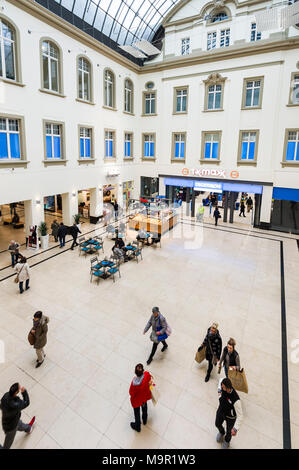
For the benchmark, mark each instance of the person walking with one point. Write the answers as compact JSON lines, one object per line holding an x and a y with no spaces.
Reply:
{"x":61,"y":234}
{"x":40,"y":331}
{"x":200,"y":213}
{"x":158,"y":334}
{"x":229,"y":358}
{"x":139,"y":394}
{"x":11,"y":406}
{"x":115,"y":205}
{"x":249,"y":204}
{"x":213,"y":344}
{"x":229,"y":410}
{"x":217,"y":215}
{"x":242,"y":209}
{"x":55,"y":228}
{"x":74,"y":230}
{"x":23,"y":274}
{"x":13,"y":248}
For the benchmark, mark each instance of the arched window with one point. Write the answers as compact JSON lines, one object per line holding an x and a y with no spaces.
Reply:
{"x":128,"y":96}
{"x":7,"y":51}
{"x":109,"y":89}
{"x":222,"y":15}
{"x":51,"y":66}
{"x":84,"y":79}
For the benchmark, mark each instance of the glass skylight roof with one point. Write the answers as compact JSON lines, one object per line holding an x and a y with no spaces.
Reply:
{"x":123,"y":21}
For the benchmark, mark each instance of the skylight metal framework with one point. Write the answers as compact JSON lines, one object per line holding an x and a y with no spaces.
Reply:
{"x":123,"y":21}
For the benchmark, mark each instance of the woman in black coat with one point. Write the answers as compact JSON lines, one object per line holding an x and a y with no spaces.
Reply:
{"x":213,"y":344}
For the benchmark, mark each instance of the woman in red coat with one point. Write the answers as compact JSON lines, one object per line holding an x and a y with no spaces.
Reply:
{"x":140,"y":393}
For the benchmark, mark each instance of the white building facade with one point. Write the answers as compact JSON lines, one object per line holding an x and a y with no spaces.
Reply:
{"x":220,"y":104}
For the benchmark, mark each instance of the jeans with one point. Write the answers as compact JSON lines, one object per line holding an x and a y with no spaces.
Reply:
{"x":220,"y":417}
{"x":21,"y":285}
{"x":154,"y":349}
{"x":62,"y":241}
{"x":137,"y":415}
{"x":10,"y":435}
{"x":14,"y":258}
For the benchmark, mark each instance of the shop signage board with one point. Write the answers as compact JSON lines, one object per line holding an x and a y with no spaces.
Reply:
{"x":211,"y":172}
{"x":208,"y":186}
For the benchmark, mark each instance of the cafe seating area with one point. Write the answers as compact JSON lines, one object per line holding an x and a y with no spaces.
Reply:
{"x":90,"y":246}
{"x":103,"y":269}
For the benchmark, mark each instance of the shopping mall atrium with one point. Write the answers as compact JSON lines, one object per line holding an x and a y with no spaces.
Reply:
{"x":136,"y":136}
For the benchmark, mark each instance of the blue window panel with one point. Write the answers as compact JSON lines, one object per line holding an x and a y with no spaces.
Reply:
{"x":87,"y":148}
{"x":81,"y":148}
{"x":215,"y":150}
{"x":56,"y":142}
{"x":110,"y":148}
{"x":251,"y":151}
{"x":297,"y":153}
{"x":248,"y":98}
{"x":3,"y":145}
{"x":211,"y":101}
{"x":177,"y":150}
{"x":146,"y":149}
{"x":183,"y":150}
{"x":129,"y":149}
{"x":218,"y":100}
{"x":244,"y":151}
{"x":49,"y":146}
{"x":147,"y":107}
{"x":106,"y":148}
{"x":291,"y":151}
{"x":15,"y":146}
{"x":256,"y":96}
{"x":208,"y":150}
{"x":126,"y":149}
{"x":152,"y":149}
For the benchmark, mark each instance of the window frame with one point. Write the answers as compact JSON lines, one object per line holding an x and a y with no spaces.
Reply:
{"x":132,"y":97}
{"x":90,"y":100}
{"x":189,"y":44}
{"x":154,"y":92}
{"x":291,"y":90}
{"x":214,"y":79}
{"x":256,"y":33}
{"x":175,"y":90}
{"x":131,"y":157}
{"x":62,"y":144}
{"x":143,"y":146}
{"x":113,"y":157}
{"x":17,"y":57}
{"x":60,"y":68}
{"x":284,"y":162}
{"x":203,"y":141}
{"x":173,"y":141}
{"x":22,"y":161}
{"x":252,"y":79}
{"x":105,"y":105}
{"x":92,"y":157}
{"x":253,"y":161}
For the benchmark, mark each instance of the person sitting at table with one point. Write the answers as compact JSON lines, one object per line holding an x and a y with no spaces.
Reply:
{"x":120,"y":245}
{"x":156,"y":238}
{"x":142,"y":235}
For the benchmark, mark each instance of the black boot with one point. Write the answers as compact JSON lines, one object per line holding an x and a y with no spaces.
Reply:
{"x":207,"y":377}
{"x":164,"y":347}
{"x":133,"y":426}
{"x":149,"y":360}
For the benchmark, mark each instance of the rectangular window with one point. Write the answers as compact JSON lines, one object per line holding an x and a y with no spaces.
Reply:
{"x":214,"y":96}
{"x":181,"y":101}
{"x":85,"y":142}
{"x":252,"y":98}
{"x":211,"y":145}
{"x":53,"y":141}
{"x":292,"y":148}
{"x":148,"y":146}
{"x":185,"y":46}
{"x":149,"y":103}
{"x":10,"y":139}
{"x":224,"y":37}
{"x":211,"y":41}
{"x":179,"y":146}
{"x":128,"y":145}
{"x":294,"y":89}
{"x":109,"y":144}
{"x":248,"y":145}
{"x":254,"y":35}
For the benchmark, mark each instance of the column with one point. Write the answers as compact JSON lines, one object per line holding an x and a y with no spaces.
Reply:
{"x":69,"y":207}
{"x":266,"y":205}
{"x":34,"y":213}
{"x":162,"y":187}
{"x":193,"y":204}
{"x":96,"y":204}
{"x":188,"y":201}
{"x":226,"y":194}
{"x":233,"y":197}
{"x":120,"y":196}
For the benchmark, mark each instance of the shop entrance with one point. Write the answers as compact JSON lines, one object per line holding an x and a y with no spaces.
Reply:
{"x":12,"y":224}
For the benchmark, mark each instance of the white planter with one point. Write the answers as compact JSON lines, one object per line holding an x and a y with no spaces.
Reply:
{"x":44,"y":241}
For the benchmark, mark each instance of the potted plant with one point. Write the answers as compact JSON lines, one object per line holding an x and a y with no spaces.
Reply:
{"x":44,"y":236}
{"x":77,"y":220}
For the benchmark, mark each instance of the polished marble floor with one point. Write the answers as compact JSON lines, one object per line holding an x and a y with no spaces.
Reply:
{"x":200,"y":275}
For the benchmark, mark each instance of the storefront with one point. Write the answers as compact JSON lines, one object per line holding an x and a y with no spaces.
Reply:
{"x":109,"y":193}
{"x":128,"y":187}
{"x":149,"y":187}
{"x":285,"y":210}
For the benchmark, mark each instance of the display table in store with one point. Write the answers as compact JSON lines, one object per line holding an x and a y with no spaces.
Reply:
{"x":160,"y":225}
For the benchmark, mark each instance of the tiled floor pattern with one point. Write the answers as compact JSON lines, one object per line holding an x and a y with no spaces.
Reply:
{"x":80,"y":394}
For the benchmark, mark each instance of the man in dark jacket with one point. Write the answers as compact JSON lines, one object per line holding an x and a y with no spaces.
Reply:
{"x":11,"y":407}
{"x":229,"y":410}
{"x":74,"y":230}
{"x":61,"y":234}
{"x":213,"y":344}
{"x":217,"y":215}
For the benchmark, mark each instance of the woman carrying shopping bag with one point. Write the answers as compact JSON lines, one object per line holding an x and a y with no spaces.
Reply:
{"x":158,"y":334}
{"x":140,"y":393}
